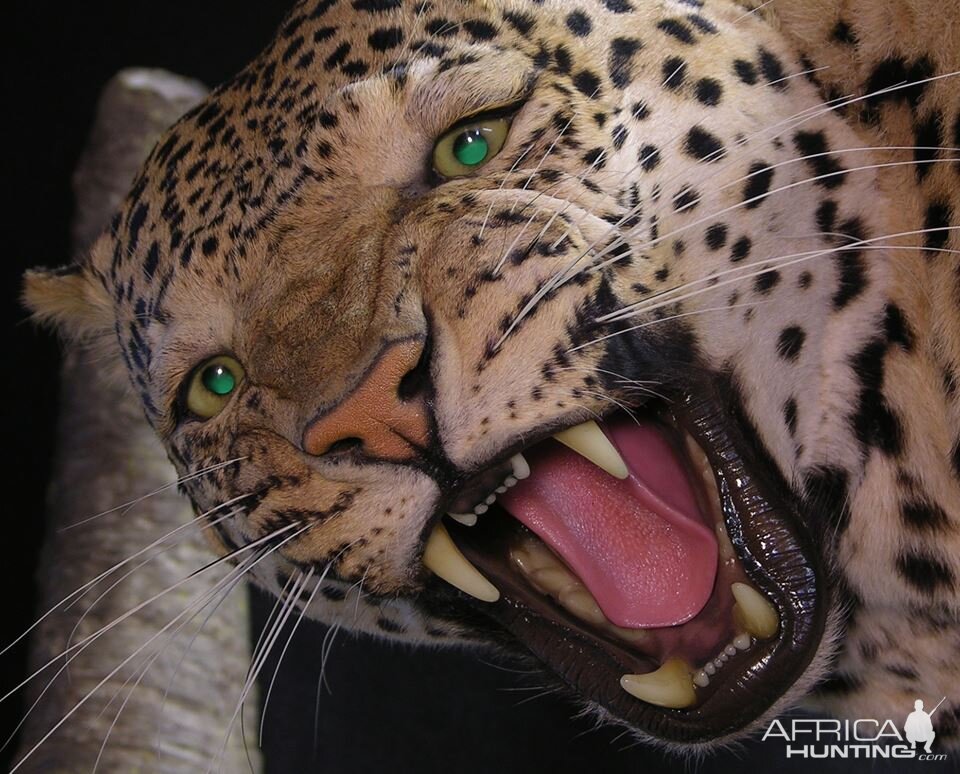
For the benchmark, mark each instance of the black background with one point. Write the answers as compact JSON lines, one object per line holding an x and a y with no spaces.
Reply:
{"x":391,"y":709}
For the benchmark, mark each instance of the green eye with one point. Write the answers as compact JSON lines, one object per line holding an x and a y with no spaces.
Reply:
{"x":469,"y":146}
{"x":211,"y":386}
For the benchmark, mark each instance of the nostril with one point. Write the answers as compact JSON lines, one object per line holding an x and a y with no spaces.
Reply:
{"x":416,"y":381}
{"x":343,"y":446}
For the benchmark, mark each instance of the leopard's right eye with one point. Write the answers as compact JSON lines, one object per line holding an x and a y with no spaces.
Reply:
{"x":211,"y":386}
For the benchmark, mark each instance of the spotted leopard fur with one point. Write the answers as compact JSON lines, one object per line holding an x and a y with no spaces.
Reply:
{"x":291,"y":219}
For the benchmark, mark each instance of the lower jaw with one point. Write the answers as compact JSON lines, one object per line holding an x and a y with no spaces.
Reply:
{"x":772,"y":555}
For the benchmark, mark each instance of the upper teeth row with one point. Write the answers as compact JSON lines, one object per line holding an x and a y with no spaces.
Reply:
{"x":586,"y":439}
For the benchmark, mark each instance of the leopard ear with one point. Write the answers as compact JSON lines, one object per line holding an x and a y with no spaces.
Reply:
{"x":71,"y":298}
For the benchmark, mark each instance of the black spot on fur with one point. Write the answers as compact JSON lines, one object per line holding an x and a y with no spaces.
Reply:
{"x":853,"y":273}
{"x":480,"y":30}
{"x":677,"y":29}
{"x":757,"y":185}
{"x":587,"y":83}
{"x":640,"y":110}
{"x":813,"y":145}
{"x":386,"y":38}
{"x":686,"y":199}
{"x":716,"y":236}
{"x":896,"y":328}
{"x":740,"y":249}
{"x":927,"y":141}
{"x":618,"y":6}
{"x":619,"y":64}
{"x":936,"y":222}
{"x":825,"y":500}
{"x":649,"y":157}
{"x":767,"y":281}
{"x":843,"y":33}
{"x":925,"y":572}
{"x":674,"y":71}
{"x":827,"y":216}
{"x":874,"y":422}
{"x":579,"y":23}
{"x":703,"y":146}
{"x":745,"y":71}
{"x":772,"y":70}
{"x":521,"y":22}
{"x":790,"y":416}
{"x":709,"y":91}
{"x":924,"y":516}
{"x":898,"y":81}
{"x":562,"y":57}
{"x":791,"y":342}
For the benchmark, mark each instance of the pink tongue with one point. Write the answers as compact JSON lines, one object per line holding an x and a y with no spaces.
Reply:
{"x":639,"y":545}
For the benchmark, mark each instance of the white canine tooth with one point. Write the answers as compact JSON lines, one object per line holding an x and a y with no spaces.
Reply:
{"x":442,"y":557}
{"x":589,"y":441}
{"x":670,"y":686}
{"x":509,"y":481}
{"x":521,"y":468}
{"x":466,"y":519}
{"x":709,"y":668}
{"x":754,"y":612}
{"x":742,"y":642}
{"x":491,"y":499}
{"x":481,"y":509}
{"x":700,"y":679}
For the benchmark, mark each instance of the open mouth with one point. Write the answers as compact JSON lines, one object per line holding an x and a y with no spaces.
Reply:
{"x":649,"y":561}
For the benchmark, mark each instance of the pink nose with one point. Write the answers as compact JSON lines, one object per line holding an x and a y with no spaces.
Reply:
{"x":378,"y":414}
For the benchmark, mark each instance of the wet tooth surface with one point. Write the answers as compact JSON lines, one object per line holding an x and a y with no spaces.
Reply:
{"x":589,"y":441}
{"x":754,"y":612}
{"x":670,"y":686}
{"x":466,"y":519}
{"x":444,"y":560}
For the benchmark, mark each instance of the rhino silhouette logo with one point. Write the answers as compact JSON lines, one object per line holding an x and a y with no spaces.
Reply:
{"x":919,"y":727}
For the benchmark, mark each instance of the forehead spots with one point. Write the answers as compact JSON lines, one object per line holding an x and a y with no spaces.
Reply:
{"x":677,"y":30}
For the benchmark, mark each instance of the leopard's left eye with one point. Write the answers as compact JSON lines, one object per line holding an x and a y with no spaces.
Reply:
{"x":466,"y":148}
{"x":210,"y":386}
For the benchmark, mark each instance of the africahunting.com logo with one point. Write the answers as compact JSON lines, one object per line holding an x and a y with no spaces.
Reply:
{"x":861,"y":738}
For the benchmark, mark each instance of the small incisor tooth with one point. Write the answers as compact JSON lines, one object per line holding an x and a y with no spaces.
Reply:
{"x":466,"y":519}
{"x":670,"y":686}
{"x":753,"y":611}
{"x":589,"y":441}
{"x":442,"y":557}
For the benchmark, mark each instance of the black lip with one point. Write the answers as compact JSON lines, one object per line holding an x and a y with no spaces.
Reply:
{"x":776,"y":553}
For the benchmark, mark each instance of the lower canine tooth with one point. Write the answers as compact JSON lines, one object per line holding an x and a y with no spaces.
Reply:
{"x":521,"y":469}
{"x":670,"y":686}
{"x":589,"y":441}
{"x":466,"y":519}
{"x":443,"y":559}
{"x":754,"y":612}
